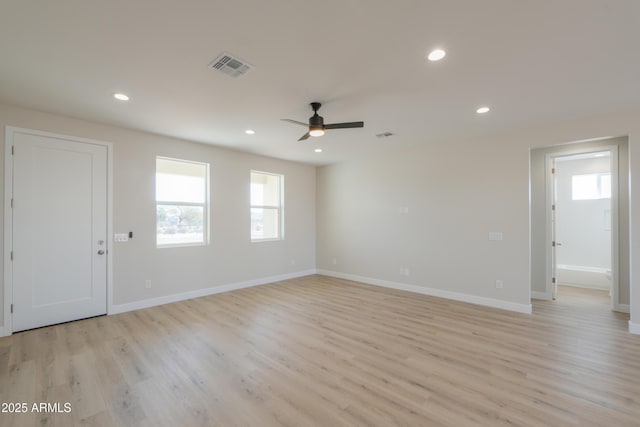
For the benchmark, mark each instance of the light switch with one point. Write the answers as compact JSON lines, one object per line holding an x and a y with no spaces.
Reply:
{"x":120,"y":237}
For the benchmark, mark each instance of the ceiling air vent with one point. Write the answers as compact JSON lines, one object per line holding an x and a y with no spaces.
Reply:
{"x":231,"y":65}
{"x":384,"y":135}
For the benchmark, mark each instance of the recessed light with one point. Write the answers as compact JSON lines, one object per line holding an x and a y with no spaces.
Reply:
{"x":483,"y":110}
{"x":250,"y":132}
{"x":318,"y":150}
{"x":436,"y":55}
{"x":120,"y":96}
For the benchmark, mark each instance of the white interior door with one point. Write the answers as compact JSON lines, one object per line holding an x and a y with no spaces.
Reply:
{"x":554,"y":234}
{"x":59,"y":230}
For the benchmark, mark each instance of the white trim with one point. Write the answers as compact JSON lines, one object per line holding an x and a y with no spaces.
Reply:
{"x":615,"y":227}
{"x":634,"y":328}
{"x":456,"y":296}
{"x":541,"y":295}
{"x":7,"y":324}
{"x":622,"y":308}
{"x":109,"y":239}
{"x":152,"y":302}
{"x":10,"y":131}
{"x":550,"y":289}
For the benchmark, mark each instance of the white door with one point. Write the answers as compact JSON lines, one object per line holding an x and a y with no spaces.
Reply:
{"x":59,"y":230}
{"x":554,"y":234}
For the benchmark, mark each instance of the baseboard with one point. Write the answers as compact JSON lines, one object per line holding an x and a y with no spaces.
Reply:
{"x":540,"y":295}
{"x":152,"y":302}
{"x":634,"y":328}
{"x":622,"y":308}
{"x":457,"y":296}
{"x":4,"y":332}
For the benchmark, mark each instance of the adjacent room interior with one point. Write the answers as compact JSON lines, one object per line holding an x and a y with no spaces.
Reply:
{"x":583,"y":226}
{"x":365,"y":213}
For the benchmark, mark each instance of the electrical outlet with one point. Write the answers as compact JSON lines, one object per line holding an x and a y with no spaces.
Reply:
{"x":495,"y":235}
{"x":404,"y":271}
{"x":293,"y":261}
{"x":499,"y":284}
{"x":334,"y":261}
{"x":147,"y":284}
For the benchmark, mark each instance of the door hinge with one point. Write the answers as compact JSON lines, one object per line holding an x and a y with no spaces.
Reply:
{"x":13,"y":150}
{"x":553,"y":170}
{"x":553,"y":207}
{"x":11,"y":308}
{"x":11,"y":203}
{"x":553,"y":244}
{"x":553,"y":280}
{"x":11,"y":255}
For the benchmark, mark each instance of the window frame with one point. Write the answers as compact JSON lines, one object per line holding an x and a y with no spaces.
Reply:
{"x":205,"y":204}
{"x":278,"y":208}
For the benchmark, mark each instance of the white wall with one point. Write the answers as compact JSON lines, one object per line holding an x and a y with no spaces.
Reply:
{"x":580,"y":224}
{"x":457,"y":191}
{"x":231,"y":257}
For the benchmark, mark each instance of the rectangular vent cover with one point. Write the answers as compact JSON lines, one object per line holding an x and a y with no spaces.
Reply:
{"x":231,"y":65}
{"x":384,"y":135}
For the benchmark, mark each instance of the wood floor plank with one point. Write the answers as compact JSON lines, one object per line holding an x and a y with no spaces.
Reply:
{"x":319,"y":351}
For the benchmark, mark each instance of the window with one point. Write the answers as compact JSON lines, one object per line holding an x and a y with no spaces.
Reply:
{"x":591,"y":186}
{"x":266,"y":206}
{"x":182,"y":202}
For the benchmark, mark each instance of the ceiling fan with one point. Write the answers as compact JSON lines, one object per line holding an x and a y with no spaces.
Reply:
{"x":316,"y":123}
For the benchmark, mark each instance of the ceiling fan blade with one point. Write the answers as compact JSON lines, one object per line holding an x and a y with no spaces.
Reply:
{"x":305,"y":136}
{"x":345,"y":125}
{"x":295,"y":122}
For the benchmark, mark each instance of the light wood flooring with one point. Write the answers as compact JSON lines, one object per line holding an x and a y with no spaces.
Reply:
{"x":319,"y":351}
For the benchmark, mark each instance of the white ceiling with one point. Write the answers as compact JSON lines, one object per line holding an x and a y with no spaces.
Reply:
{"x":532,"y":61}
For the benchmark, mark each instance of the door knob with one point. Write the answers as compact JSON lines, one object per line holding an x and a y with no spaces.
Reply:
{"x":101,"y":252}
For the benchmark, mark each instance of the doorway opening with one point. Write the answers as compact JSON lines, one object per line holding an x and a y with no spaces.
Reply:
{"x":553,"y":266}
{"x":584,"y":226}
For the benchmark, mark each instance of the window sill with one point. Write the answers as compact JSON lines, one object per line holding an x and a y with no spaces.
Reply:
{"x":179,"y":245}
{"x":276,"y":239}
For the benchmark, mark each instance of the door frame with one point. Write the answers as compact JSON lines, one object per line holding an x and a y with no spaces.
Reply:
{"x":10,"y":133}
{"x":615,"y":230}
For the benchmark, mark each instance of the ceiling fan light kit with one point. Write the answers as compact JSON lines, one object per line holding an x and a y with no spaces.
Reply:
{"x":316,"y":123}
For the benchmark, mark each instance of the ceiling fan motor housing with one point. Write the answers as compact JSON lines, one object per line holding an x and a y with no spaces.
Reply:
{"x":316,"y":121}
{"x":317,"y":126}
